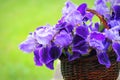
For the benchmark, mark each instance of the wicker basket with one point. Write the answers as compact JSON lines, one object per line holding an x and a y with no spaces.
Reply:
{"x":88,"y":68}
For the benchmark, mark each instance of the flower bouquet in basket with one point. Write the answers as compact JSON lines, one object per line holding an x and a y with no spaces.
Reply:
{"x":88,"y":50}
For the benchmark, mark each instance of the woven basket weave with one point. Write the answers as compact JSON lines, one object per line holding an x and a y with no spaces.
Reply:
{"x":88,"y":68}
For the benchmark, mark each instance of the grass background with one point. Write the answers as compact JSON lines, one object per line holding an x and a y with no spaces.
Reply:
{"x":17,"y":19}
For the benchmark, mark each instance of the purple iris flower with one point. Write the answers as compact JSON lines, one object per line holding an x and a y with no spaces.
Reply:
{"x":74,"y":36}
{"x":97,"y":41}
{"x":74,"y":15}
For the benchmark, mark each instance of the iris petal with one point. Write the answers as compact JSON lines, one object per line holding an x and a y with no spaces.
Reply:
{"x":45,"y":58}
{"x":37,"y":56}
{"x":75,"y":55}
{"x":77,"y":39}
{"x":74,"y":18}
{"x":117,"y":11}
{"x":63,"y":39}
{"x":69,"y":6}
{"x":97,"y":36}
{"x":101,"y":7}
{"x":79,"y":44}
{"x":28,"y":45}
{"x":83,"y":48}
{"x":97,"y":44}
{"x":69,"y":28}
{"x":55,"y":52}
{"x":116,"y":48}
{"x":82,"y":8}
{"x":103,"y":59}
{"x":82,"y":31}
{"x":50,"y":65}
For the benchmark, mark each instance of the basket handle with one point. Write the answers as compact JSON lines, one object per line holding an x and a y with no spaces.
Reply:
{"x":102,"y":19}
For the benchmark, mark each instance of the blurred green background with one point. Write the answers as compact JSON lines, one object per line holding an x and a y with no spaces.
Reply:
{"x":17,"y":19}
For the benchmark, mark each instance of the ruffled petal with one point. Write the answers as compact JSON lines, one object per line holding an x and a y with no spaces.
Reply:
{"x":44,"y":34}
{"x":63,"y":39}
{"x":69,"y":6}
{"x":28,"y":45}
{"x":74,"y":18}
